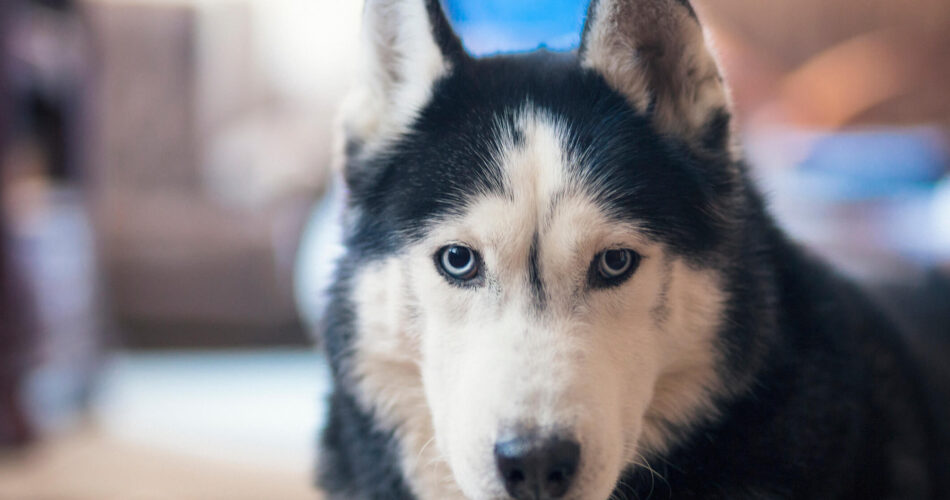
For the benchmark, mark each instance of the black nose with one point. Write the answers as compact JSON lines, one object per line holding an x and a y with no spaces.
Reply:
{"x":535,"y":468}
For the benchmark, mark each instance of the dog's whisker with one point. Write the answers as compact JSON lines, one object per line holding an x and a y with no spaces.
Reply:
{"x":623,"y":485}
{"x":653,"y":474}
{"x":424,"y":446}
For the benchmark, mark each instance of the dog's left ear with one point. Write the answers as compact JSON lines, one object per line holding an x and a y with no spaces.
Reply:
{"x":407,"y":45}
{"x":654,"y":53}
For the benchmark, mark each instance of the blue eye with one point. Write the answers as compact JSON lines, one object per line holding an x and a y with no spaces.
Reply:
{"x":612,"y":267}
{"x":614,"y":263}
{"x":459,"y":262}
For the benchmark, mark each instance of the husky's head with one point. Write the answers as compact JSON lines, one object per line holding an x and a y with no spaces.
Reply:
{"x":533,"y":286}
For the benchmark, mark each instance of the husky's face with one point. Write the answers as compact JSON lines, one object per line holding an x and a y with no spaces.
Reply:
{"x":535,"y":310}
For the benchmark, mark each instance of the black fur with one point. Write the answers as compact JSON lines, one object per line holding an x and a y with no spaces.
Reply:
{"x":447,"y":156}
{"x":445,"y":38}
{"x":827,"y":402}
{"x":534,"y":273}
{"x":836,"y":408}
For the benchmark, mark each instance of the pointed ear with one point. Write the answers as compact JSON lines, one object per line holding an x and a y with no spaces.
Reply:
{"x":654,"y":53}
{"x":406,"y":46}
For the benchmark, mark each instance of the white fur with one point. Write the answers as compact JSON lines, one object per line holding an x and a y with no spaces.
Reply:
{"x":401,"y":60}
{"x":449,"y":368}
{"x":388,"y":373}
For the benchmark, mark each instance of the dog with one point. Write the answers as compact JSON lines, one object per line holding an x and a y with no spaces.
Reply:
{"x":559,"y":282}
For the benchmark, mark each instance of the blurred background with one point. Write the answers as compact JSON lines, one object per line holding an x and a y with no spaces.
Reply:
{"x":165,"y":227}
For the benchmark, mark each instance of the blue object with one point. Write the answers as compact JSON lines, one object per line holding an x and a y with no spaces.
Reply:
{"x":893,"y":154}
{"x":877,"y":163}
{"x":503,"y":26}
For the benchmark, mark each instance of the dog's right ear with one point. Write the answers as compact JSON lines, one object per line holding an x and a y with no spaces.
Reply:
{"x":654,"y":53}
{"x":407,"y":45}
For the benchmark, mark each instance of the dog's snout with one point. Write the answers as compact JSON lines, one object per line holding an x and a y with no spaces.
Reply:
{"x":536,"y":468}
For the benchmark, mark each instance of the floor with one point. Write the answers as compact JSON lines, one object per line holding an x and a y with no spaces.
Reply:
{"x":91,"y":465}
{"x":180,"y":425}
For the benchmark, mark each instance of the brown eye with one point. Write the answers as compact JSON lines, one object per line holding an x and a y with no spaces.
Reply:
{"x":612,"y":267}
{"x":459,"y":262}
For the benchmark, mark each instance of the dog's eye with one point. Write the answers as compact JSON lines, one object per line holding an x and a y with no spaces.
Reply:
{"x":612,"y":267}
{"x":459,"y":262}
{"x":614,"y":263}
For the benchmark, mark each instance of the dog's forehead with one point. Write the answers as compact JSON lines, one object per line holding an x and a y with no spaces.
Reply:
{"x":538,"y":129}
{"x":543,"y":200}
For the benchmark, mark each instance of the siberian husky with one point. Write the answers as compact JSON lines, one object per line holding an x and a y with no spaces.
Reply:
{"x":560,"y":283}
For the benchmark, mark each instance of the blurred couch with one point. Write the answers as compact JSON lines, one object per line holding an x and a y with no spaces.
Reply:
{"x":202,"y":168}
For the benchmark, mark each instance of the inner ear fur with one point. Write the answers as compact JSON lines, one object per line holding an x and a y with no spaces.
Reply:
{"x":654,"y":53}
